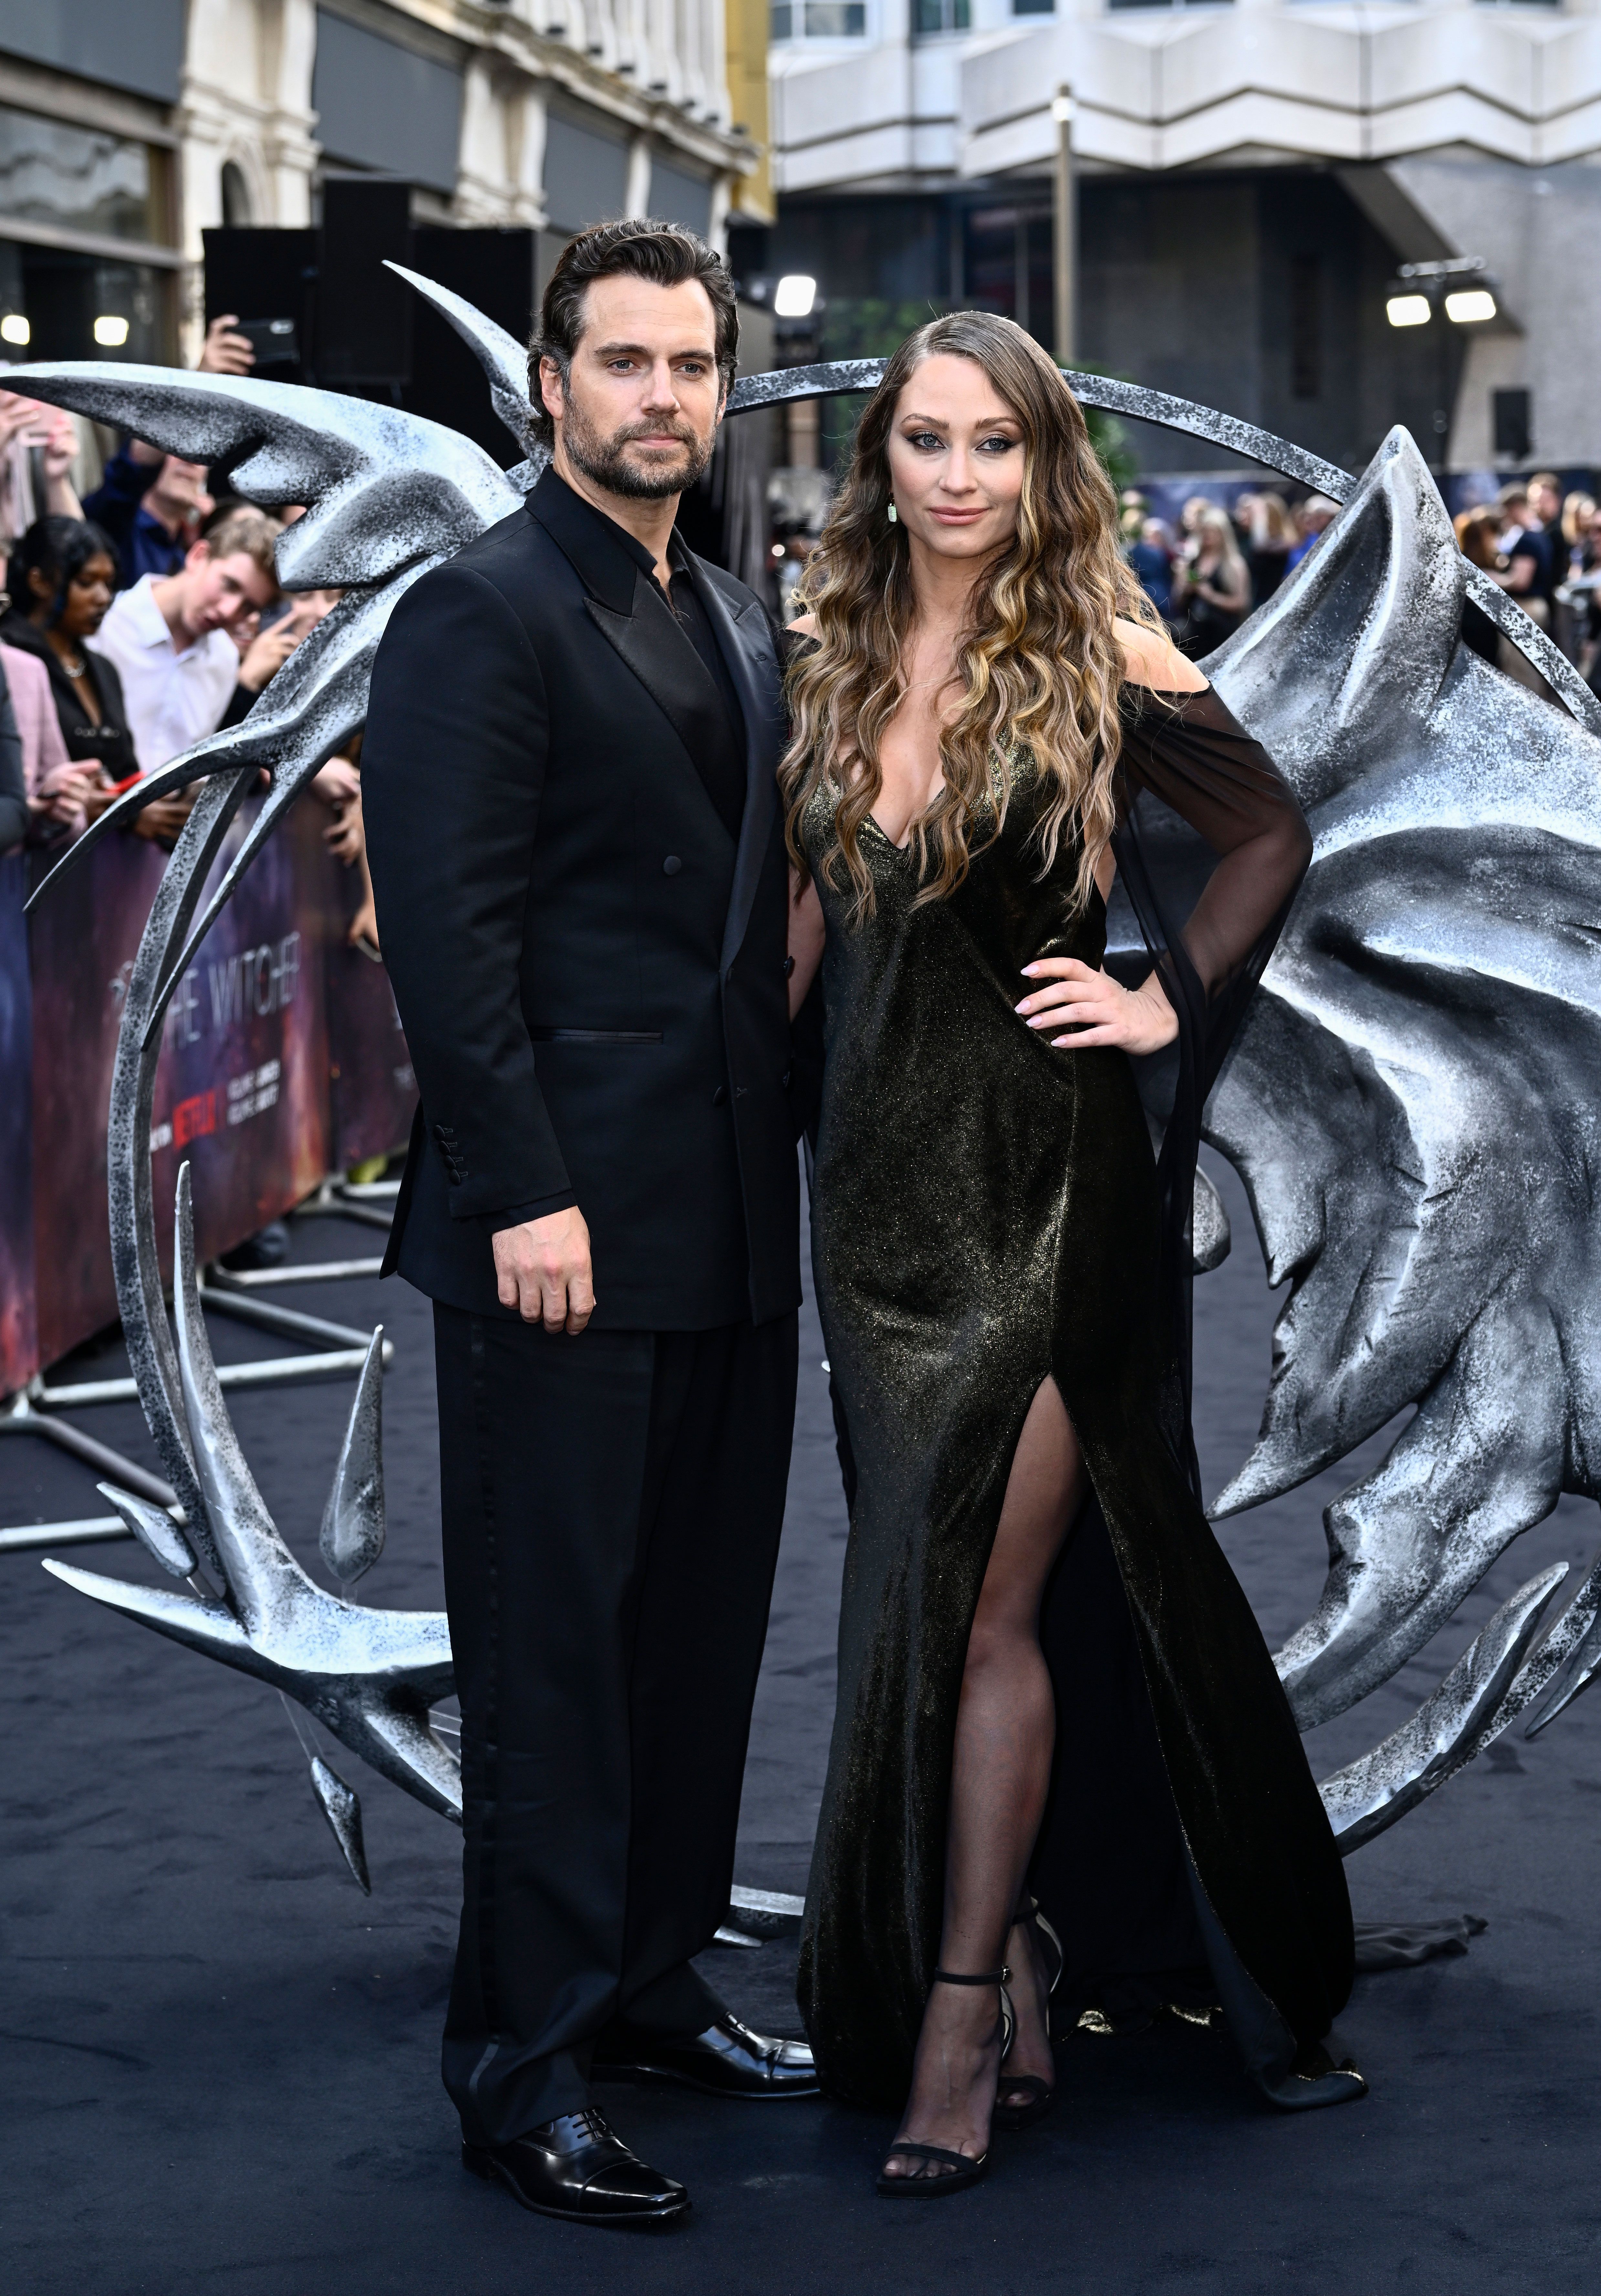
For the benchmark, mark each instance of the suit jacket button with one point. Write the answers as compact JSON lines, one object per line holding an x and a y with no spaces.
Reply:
{"x":789,"y":966}
{"x":672,"y":866}
{"x":784,"y":1079}
{"x":720,"y":1095}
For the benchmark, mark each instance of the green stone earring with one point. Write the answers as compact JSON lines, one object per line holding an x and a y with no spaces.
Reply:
{"x":891,"y":513}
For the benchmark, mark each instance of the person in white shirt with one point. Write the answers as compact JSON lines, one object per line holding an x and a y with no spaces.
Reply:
{"x":171,"y":638}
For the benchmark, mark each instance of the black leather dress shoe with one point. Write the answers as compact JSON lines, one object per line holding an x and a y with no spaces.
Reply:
{"x":575,"y":2167}
{"x":726,"y":2059}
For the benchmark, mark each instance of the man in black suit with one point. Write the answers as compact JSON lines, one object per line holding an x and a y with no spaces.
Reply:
{"x":576,"y":846}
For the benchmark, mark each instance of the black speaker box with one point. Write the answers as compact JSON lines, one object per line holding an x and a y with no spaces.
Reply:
{"x":494,"y":270}
{"x":363,"y":330}
{"x":265,"y":274}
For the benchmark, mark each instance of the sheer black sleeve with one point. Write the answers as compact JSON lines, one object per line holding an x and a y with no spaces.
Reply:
{"x":1189,"y":751}
{"x":1211,"y":848}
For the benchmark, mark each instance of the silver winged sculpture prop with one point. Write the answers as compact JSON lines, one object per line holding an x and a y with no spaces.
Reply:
{"x":1411,"y":1103}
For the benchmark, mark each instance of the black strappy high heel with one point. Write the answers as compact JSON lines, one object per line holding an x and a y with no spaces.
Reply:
{"x":1039,"y":2093}
{"x":963,"y":2168}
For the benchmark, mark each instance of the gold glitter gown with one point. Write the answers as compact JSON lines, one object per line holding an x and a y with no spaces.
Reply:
{"x":988,"y":1212}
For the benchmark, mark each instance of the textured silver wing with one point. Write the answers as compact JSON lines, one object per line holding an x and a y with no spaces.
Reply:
{"x":387,"y":496}
{"x":1415,"y":1099}
{"x":367,"y":1676}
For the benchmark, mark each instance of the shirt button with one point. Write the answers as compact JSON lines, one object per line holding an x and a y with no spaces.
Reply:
{"x":720,"y":1095}
{"x":672,"y":866}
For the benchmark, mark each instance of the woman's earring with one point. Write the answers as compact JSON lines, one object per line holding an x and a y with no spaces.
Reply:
{"x":891,"y":513}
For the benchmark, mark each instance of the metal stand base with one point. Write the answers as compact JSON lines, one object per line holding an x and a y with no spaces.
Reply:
{"x":225,"y":1293}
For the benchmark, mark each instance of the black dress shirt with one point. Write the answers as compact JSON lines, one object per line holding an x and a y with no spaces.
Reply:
{"x":722,"y":769}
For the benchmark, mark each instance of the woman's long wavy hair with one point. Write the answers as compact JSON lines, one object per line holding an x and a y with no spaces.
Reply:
{"x":1038,"y":661}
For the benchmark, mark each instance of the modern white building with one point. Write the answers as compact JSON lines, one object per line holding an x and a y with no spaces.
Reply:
{"x":1251,"y":177}
{"x":128,"y":126}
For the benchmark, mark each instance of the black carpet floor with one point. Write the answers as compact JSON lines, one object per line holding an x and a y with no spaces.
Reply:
{"x":220,"y":2059}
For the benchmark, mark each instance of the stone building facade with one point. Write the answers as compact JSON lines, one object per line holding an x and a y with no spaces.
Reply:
{"x":128,"y":126}
{"x":1251,"y":173}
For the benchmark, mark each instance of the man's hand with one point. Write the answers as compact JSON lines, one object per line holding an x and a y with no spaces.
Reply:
{"x":542,"y":1269}
{"x":225,"y":351}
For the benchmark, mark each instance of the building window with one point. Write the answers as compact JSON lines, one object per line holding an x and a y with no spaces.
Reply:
{"x":1007,"y":265}
{"x":931,"y":16}
{"x":1033,"y":7}
{"x":71,"y":199}
{"x":1512,"y":424}
{"x":819,"y":20}
{"x":1306,"y":327}
{"x":585,"y":170}
{"x":75,"y":178}
{"x":1168,"y":4}
{"x":235,"y":198}
{"x":386,"y":105}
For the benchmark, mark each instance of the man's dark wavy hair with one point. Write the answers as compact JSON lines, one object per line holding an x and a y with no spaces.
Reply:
{"x":640,"y":247}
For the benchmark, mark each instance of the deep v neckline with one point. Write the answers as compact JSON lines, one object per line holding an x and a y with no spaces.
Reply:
{"x":874,"y":822}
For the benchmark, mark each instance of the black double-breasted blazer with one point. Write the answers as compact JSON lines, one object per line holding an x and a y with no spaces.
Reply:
{"x":589,"y":968}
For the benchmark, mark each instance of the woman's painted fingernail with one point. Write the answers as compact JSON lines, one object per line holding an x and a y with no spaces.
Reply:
{"x":1028,"y":971}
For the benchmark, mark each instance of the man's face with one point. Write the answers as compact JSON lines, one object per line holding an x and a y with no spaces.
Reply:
{"x":223,"y":591}
{"x":639,"y":413}
{"x":1547,"y":504}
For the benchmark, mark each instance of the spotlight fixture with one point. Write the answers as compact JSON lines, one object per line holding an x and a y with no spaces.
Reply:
{"x":1408,"y":310}
{"x":15,"y":329}
{"x":794,"y":296}
{"x":1420,"y":288}
{"x":111,"y":331}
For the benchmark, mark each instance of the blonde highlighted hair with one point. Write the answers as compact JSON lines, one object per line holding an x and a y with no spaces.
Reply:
{"x":1038,"y":661}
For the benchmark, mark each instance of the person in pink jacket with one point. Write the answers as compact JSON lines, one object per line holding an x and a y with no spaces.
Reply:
{"x":57,"y":787}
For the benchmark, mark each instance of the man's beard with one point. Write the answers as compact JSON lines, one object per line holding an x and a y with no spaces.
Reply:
{"x":603,"y":460}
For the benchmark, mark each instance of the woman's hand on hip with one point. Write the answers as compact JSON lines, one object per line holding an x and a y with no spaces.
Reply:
{"x":1097,"y":1009}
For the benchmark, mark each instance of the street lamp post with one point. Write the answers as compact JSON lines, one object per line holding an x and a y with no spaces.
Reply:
{"x":1064,"y":235}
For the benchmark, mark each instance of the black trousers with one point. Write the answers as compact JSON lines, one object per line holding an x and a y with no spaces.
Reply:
{"x":612,"y":1508}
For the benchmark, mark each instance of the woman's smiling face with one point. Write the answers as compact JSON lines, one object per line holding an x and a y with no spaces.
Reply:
{"x":956,"y":458}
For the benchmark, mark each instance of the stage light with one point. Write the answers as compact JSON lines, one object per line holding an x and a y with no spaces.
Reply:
{"x":111,"y":332}
{"x":1469,"y":306}
{"x":15,"y":329}
{"x":793,"y":297}
{"x":1408,"y":310}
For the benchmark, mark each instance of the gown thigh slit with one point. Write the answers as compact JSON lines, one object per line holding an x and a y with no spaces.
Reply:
{"x":997,"y":1796}
{"x":989,"y":1213}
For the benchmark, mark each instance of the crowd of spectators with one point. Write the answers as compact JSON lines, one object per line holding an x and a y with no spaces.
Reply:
{"x":1206,"y":576}
{"x":1543,"y":547}
{"x":134,"y":623}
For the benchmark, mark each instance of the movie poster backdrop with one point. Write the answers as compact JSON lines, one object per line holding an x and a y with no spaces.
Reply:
{"x":247,"y":1081}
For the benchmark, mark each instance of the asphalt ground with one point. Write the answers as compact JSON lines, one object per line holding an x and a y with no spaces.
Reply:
{"x":221,"y":2061}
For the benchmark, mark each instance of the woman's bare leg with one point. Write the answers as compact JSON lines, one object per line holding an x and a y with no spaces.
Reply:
{"x":1006,"y":1736}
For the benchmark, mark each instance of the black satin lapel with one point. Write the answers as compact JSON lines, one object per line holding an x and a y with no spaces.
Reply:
{"x":747,"y":647}
{"x":671,"y":672}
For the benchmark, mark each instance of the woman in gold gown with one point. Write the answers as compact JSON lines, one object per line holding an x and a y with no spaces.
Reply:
{"x":989,"y":726}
